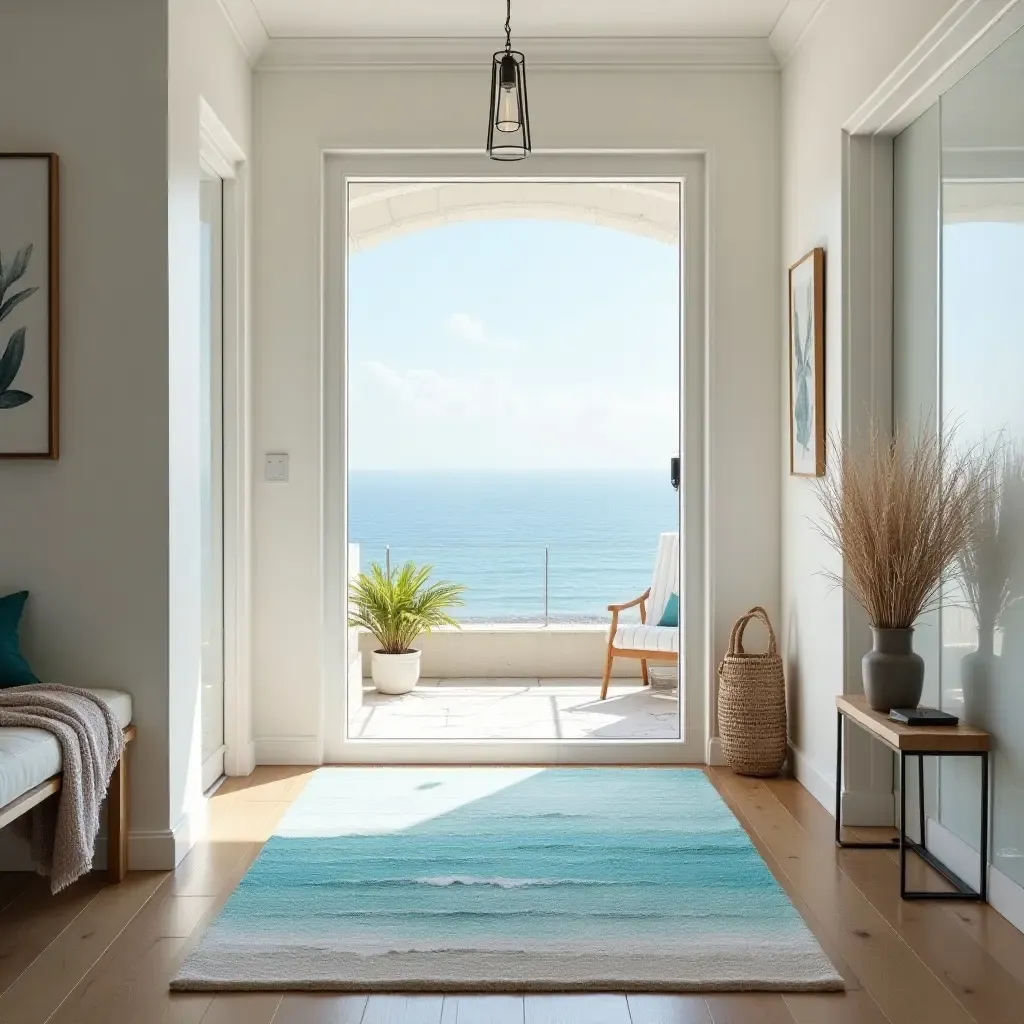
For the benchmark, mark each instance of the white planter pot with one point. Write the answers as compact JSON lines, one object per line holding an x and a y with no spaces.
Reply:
{"x":395,"y":673}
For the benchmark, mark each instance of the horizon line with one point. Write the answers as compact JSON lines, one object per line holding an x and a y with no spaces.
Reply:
{"x":511,"y":469}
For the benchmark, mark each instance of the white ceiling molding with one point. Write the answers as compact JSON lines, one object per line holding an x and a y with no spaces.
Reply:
{"x":344,"y":19}
{"x":969,"y":32}
{"x":793,"y":24}
{"x":248,"y":26}
{"x":635,"y":52}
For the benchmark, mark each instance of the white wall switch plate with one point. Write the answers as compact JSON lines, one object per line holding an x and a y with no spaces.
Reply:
{"x":275,"y":468}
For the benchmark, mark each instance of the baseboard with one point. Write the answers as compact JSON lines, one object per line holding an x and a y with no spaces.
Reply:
{"x":162,"y":849}
{"x":716,"y":758}
{"x":14,"y":855}
{"x":1004,"y":894}
{"x":821,"y":786}
{"x":862,"y":807}
{"x":14,"y":852}
{"x":156,"y":850}
{"x":288,"y":750}
{"x":868,"y":809}
{"x":241,"y":760}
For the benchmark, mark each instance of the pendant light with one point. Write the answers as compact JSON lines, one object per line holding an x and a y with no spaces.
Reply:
{"x":508,"y":132}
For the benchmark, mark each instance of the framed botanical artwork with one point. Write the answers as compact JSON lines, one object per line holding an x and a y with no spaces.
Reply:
{"x":807,"y":365}
{"x":29,"y":306}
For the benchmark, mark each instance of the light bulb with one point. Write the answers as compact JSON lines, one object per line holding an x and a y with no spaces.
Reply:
{"x":508,"y":119}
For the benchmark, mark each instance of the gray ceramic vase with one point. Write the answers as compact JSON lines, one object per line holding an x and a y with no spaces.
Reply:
{"x":893,"y":673}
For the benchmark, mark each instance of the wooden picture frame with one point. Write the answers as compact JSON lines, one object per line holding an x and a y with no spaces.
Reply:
{"x":29,"y":306}
{"x":806,"y":335}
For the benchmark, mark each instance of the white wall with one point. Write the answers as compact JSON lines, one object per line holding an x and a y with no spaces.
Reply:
{"x":851,"y":47}
{"x":206,"y":63}
{"x":731,"y":115}
{"x":106,"y":539}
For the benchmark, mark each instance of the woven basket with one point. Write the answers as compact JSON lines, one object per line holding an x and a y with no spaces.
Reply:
{"x":752,"y":704}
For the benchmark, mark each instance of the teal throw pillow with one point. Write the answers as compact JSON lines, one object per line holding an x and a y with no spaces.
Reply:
{"x":670,"y":616}
{"x":14,"y":670}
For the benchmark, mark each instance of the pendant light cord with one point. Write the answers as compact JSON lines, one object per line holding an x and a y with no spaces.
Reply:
{"x":508,"y":26}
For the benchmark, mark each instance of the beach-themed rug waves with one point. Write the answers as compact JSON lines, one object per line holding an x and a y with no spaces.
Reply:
{"x":509,"y":879}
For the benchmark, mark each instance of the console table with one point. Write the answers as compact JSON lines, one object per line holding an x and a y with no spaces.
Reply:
{"x":920,"y":742}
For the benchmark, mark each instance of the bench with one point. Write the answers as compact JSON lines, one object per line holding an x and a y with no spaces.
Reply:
{"x":30,"y":772}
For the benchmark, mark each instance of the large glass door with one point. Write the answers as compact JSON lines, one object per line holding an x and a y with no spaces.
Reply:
{"x":518,"y":361}
{"x":211,"y":189}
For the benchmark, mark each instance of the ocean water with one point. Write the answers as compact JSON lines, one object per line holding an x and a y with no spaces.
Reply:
{"x":488,"y":531}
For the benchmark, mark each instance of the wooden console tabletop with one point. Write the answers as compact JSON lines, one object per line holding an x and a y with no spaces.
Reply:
{"x":932,"y":738}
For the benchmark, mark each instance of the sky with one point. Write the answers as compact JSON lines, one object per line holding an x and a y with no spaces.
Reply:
{"x":983,"y":329}
{"x":513,"y":344}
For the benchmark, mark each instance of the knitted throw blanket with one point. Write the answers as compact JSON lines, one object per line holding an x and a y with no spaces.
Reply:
{"x":62,"y":833}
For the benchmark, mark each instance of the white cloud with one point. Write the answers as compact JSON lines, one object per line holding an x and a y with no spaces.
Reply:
{"x":471,"y":419}
{"x":465,"y":328}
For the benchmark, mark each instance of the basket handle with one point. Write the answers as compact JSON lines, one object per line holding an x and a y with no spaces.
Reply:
{"x":736,"y":637}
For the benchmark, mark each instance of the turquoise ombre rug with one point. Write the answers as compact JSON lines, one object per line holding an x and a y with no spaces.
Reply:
{"x":509,"y":879}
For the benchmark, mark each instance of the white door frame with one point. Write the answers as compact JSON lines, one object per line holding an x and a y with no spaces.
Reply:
{"x":212,"y":212}
{"x":219,"y":150}
{"x":688,"y":169}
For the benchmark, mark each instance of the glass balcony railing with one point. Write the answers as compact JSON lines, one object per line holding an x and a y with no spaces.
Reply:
{"x":526,"y":584}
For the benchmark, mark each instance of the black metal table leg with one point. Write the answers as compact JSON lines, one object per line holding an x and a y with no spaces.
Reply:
{"x":920,"y":796}
{"x":902,"y":842}
{"x":962,"y":891}
{"x":843,"y":844}
{"x":839,"y":781}
{"x":983,"y":886}
{"x":903,"y":825}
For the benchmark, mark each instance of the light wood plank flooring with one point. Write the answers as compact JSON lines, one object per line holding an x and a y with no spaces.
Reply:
{"x":100,"y":953}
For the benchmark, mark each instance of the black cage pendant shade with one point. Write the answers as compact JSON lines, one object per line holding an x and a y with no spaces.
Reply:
{"x":508,"y":130}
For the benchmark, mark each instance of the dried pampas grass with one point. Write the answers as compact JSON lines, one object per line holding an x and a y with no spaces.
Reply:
{"x":900,"y":513}
{"x":991,"y":559}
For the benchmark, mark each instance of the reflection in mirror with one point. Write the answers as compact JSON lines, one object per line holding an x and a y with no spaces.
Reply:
{"x":991,"y":574}
{"x":981,"y":360}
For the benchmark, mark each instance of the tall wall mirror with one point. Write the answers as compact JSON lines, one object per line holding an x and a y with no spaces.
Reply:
{"x":959,"y":366}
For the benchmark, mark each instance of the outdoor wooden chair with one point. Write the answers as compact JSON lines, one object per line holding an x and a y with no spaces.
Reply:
{"x":647,"y":640}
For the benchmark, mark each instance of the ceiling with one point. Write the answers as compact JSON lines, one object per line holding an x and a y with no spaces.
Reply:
{"x":283,"y":18}
{"x":261,"y":21}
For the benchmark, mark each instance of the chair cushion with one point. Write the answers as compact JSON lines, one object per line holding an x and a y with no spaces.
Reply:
{"x":638,"y":637}
{"x":30,"y":756}
{"x":670,"y":616}
{"x":665,"y":581}
{"x":14,"y":670}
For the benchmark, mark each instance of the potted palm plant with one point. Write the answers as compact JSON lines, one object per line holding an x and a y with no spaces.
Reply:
{"x":900,"y":513}
{"x":397,"y":606}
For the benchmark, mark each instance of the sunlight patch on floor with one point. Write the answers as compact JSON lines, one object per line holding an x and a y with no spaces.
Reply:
{"x":376,"y":801}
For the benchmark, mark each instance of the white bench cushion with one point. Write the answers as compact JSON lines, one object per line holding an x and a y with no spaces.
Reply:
{"x":31,"y":756}
{"x":637,"y":637}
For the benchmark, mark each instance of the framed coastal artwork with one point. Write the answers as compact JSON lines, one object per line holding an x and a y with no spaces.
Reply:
{"x":29,"y":304}
{"x":807,"y":365}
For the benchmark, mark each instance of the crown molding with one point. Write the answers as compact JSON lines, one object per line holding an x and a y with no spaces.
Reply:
{"x":968,"y":33}
{"x":246,"y":23}
{"x":793,"y":25}
{"x":634,"y":52}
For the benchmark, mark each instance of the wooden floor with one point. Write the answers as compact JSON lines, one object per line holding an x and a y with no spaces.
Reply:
{"x":100,"y":953}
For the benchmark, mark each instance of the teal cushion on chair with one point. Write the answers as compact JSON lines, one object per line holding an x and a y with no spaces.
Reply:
{"x":670,"y":616}
{"x":14,"y":670}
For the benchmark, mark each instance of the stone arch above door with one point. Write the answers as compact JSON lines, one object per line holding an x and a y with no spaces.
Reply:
{"x":379,"y":211}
